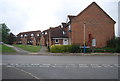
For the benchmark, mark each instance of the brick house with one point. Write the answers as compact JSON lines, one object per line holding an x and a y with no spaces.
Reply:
{"x":55,"y":36}
{"x":99,"y":26}
{"x":31,"y":38}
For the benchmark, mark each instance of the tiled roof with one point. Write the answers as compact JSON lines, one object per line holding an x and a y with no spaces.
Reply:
{"x":64,"y":24}
{"x":29,"y":32}
{"x":57,"y":32}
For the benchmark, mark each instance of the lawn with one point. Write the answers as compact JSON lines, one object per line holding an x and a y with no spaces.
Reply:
{"x":4,"y":48}
{"x":29,"y":48}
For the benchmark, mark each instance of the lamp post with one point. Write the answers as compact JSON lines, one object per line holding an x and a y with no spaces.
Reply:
{"x":84,"y":38}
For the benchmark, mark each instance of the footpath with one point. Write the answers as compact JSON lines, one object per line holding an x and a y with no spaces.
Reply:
{"x":18,"y":50}
{"x":44,"y":52}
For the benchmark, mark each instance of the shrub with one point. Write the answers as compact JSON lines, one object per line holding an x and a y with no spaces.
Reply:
{"x":48,"y":47}
{"x":64,"y":48}
{"x":88,"y":50}
{"x":114,"y":44}
{"x":118,"y":49}
{"x":74,"y":49}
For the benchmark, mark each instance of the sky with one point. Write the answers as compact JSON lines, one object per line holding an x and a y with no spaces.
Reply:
{"x":32,"y":15}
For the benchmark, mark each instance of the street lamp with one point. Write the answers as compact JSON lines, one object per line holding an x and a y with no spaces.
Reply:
{"x":84,"y":38}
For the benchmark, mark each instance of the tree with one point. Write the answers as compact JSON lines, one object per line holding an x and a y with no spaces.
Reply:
{"x":11,"y":39}
{"x":0,"y":32}
{"x":5,"y":33}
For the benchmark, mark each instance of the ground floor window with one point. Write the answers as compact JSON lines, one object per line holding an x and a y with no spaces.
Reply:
{"x":56,"y":41}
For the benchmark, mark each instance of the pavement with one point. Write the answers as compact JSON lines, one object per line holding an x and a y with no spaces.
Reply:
{"x":59,"y":67}
{"x":44,"y":52}
{"x":18,"y":50}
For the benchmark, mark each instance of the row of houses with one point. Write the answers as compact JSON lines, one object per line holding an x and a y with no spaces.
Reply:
{"x":93,"y":23}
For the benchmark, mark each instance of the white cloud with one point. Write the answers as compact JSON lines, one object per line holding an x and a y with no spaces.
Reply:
{"x":28,"y":15}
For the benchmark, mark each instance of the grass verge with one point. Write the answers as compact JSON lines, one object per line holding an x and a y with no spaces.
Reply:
{"x":29,"y":48}
{"x":4,"y":48}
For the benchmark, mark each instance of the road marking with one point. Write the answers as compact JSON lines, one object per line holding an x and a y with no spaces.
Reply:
{"x":106,"y":65}
{"x":26,"y":72}
{"x":71,"y":64}
{"x":63,"y":65}
{"x":1,"y":64}
{"x":9,"y":66}
{"x":46,"y":64}
{"x":116,"y":65}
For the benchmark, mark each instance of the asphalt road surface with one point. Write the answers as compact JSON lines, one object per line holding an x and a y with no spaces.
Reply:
{"x":59,"y":67}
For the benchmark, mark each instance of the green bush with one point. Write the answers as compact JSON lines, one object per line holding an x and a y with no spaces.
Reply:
{"x":114,"y":44}
{"x":104,"y":50}
{"x":88,"y":50}
{"x":48,"y":47}
{"x":74,"y":48}
{"x":64,"y":48}
{"x":118,"y":49}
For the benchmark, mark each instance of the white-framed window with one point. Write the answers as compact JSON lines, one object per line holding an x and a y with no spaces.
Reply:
{"x":38,"y":34}
{"x":25,"y":35}
{"x":21,"y":35}
{"x":20,"y":42}
{"x":45,"y":33}
{"x":42,"y":33}
{"x":64,"y":32}
{"x":30,"y":41}
{"x":69,"y":27}
{"x":56,"y":40}
{"x":32,"y":34}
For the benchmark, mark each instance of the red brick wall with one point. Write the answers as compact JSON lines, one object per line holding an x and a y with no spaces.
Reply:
{"x":24,"y":41}
{"x":97,"y":23}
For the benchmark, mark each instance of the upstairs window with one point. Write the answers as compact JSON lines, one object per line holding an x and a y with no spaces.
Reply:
{"x":45,"y":33}
{"x":25,"y":35}
{"x":42,"y":33}
{"x":32,"y":35}
{"x":38,"y":34}
{"x":64,"y":32}
{"x":69,"y":27}
{"x":21,"y":35}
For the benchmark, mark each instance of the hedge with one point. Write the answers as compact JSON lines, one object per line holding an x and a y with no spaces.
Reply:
{"x":65,"y":48}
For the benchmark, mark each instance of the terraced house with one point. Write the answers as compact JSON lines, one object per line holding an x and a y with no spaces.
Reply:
{"x":99,"y":26}
{"x":55,"y":36}
{"x":93,"y":26}
{"x":31,"y":37}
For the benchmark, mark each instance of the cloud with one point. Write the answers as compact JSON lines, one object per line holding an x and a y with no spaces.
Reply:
{"x":28,"y":15}
{"x":14,"y":16}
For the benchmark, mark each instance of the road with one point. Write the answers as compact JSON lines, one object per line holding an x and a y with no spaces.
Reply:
{"x":59,"y":67}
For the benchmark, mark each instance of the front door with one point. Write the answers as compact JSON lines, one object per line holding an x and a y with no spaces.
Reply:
{"x":65,"y":41}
